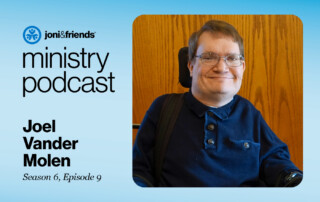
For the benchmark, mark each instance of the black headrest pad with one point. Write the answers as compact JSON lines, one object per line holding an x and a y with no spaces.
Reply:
{"x":184,"y":74}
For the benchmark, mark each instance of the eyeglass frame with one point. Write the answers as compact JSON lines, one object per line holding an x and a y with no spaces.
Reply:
{"x":224,"y":58}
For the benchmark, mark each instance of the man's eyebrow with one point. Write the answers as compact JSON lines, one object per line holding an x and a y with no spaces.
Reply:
{"x":232,"y":53}
{"x":229,"y":53}
{"x":210,"y":52}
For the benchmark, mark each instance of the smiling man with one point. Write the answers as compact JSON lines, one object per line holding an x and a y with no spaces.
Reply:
{"x":215,"y":81}
{"x":219,"y":139}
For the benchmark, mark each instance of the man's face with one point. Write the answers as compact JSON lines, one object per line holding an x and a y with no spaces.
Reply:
{"x":219,"y":79}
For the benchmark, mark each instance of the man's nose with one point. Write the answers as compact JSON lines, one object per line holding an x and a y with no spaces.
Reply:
{"x":221,"y":66}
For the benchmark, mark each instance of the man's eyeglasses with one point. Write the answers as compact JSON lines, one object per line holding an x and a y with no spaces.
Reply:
{"x":212,"y":59}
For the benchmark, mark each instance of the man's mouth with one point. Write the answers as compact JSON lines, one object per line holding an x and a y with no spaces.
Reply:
{"x":219,"y":77}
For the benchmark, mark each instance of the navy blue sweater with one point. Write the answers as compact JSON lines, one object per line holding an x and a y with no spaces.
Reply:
{"x":212,"y":147}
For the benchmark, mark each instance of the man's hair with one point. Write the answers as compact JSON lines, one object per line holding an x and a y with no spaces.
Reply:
{"x":214,"y":27}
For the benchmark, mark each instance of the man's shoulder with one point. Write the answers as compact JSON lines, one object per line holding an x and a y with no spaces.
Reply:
{"x":243,"y":100}
{"x":158,"y":103}
{"x":245,"y":104}
{"x":156,"y":106}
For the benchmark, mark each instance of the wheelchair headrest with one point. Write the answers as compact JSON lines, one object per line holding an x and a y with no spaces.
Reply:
{"x":184,"y":74}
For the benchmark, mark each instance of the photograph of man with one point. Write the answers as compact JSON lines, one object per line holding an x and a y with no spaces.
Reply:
{"x":219,"y":139}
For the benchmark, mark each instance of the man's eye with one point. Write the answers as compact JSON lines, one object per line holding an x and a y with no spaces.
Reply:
{"x":210,"y":57}
{"x":233,"y":58}
{"x":207,"y":58}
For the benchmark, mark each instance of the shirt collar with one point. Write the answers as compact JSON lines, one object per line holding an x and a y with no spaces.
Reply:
{"x":200,"y":109}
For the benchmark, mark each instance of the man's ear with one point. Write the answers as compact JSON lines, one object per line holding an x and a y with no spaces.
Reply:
{"x":244,"y":66}
{"x":190,"y":67}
